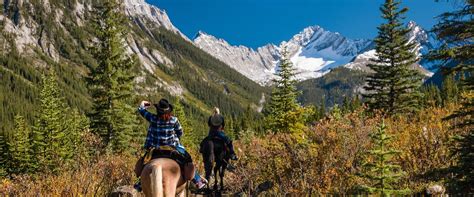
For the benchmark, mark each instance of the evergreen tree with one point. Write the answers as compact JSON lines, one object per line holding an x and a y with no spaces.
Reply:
{"x":246,"y":120}
{"x":450,"y":89}
{"x":77,"y":125}
{"x":394,"y":85}
{"x":50,"y":126}
{"x":379,"y":168}
{"x":111,"y":81}
{"x":432,"y":95}
{"x":284,"y":113}
{"x":19,"y":146}
{"x":230,"y":127}
{"x":356,"y":103}
{"x":456,"y":29}
{"x":322,"y":108}
{"x":3,"y":155}
{"x":346,"y":105}
{"x":189,"y":138}
{"x":336,"y":112}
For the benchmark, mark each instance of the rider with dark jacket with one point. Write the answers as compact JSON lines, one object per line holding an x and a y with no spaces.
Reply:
{"x":216,"y":125}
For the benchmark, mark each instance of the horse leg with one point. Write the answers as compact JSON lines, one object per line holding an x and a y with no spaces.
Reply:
{"x":208,"y":167}
{"x":216,"y":168}
{"x":221,"y":174}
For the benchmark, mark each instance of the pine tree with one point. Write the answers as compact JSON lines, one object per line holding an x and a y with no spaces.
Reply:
{"x":356,"y":103}
{"x":50,"y":126}
{"x":230,"y":127}
{"x":246,"y":120}
{"x":111,"y":81}
{"x":379,"y":168}
{"x":283,"y":105}
{"x":322,"y":108}
{"x":432,"y":95}
{"x":189,"y":138}
{"x":456,"y":29}
{"x":4,"y":155}
{"x":450,"y":90}
{"x":19,"y":146}
{"x":336,"y":112}
{"x":77,"y":125}
{"x":394,"y":85}
{"x":346,"y":105}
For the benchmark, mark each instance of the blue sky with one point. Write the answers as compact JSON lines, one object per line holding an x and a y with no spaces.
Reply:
{"x":255,"y":23}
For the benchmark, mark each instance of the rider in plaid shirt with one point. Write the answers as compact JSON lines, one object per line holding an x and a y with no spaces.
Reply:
{"x":164,"y":130}
{"x":161,"y":132}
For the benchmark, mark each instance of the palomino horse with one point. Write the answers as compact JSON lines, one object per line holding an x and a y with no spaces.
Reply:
{"x":214,"y":151}
{"x":162,"y":177}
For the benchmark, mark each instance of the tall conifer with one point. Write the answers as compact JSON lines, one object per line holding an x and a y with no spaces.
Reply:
{"x":189,"y":138}
{"x":450,"y":89}
{"x":50,"y":126}
{"x":77,"y":126}
{"x":19,"y":148}
{"x":456,"y":28}
{"x":111,"y":81}
{"x":3,"y":154}
{"x":284,"y":112}
{"x":394,"y":85}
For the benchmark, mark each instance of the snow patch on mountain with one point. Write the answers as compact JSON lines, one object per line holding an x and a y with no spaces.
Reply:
{"x":424,"y":43}
{"x":313,"y":51}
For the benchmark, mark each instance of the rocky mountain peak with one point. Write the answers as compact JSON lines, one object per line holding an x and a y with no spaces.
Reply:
{"x":140,"y":8}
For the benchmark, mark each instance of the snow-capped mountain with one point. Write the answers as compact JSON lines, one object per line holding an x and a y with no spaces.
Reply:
{"x":257,"y":65}
{"x":313,"y":51}
{"x":425,"y":42}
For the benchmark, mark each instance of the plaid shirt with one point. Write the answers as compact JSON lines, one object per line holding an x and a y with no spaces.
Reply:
{"x":161,"y":133}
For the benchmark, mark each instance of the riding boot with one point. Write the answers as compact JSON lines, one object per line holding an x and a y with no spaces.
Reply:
{"x":199,"y":181}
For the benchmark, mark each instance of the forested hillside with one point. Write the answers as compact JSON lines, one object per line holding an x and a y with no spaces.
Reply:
{"x":38,"y":35}
{"x":333,"y":88}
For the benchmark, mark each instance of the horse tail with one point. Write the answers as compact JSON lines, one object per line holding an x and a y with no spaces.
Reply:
{"x":156,"y":178}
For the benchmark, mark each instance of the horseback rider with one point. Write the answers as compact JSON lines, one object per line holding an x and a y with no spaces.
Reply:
{"x":216,"y":125}
{"x":164,"y":130}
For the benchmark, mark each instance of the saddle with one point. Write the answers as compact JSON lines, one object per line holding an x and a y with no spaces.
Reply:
{"x":184,"y":160}
{"x":169,"y":152}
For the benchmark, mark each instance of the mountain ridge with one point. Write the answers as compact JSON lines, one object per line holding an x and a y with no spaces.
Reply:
{"x":313,"y":51}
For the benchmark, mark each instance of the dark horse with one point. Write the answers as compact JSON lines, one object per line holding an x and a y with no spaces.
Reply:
{"x":213,"y":150}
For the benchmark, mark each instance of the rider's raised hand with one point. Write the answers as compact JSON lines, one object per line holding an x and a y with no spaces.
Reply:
{"x":145,"y":104}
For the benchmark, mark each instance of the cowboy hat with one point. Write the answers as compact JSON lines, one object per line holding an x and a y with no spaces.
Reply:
{"x":163,"y":106}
